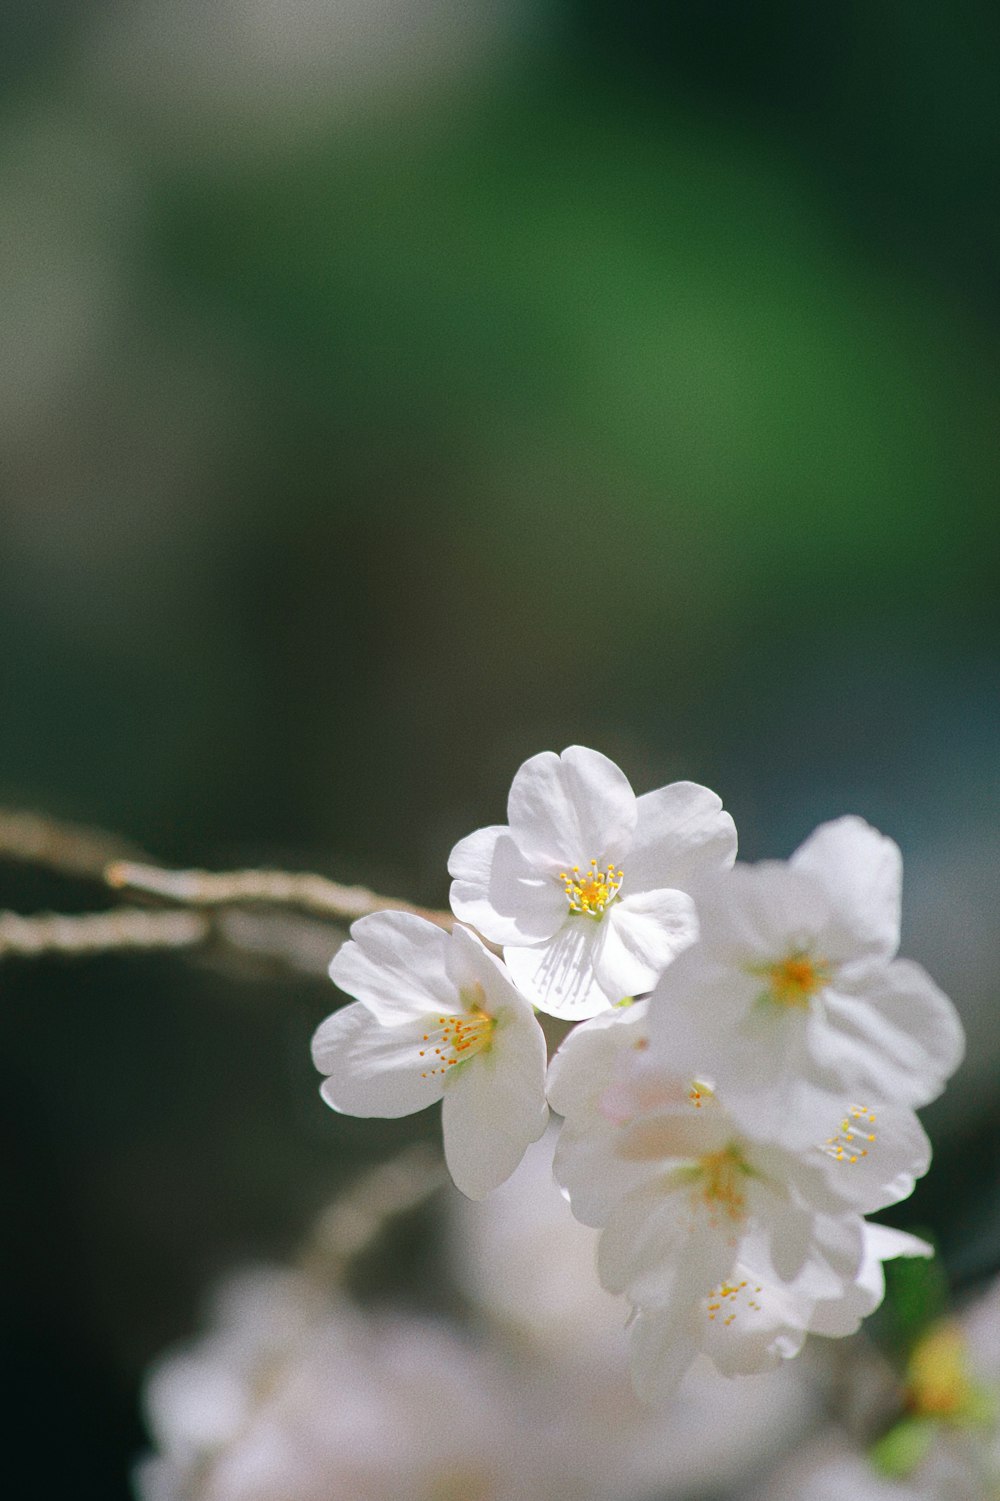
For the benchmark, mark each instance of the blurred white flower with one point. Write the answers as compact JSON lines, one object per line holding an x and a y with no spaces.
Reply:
{"x":296,"y":1394}
{"x":437,"y":1018}
{"x":588,"y":887}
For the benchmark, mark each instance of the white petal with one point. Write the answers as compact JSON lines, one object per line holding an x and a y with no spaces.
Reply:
{"x":897,"y":1037}
{"x":395,"y":963}
{"x":886,"y":1243}
{"x":759,"y":914}
{"x":373,"y":1070}
{"x":862,"y":871}
{"x":641,"y":935}
{"x":479,"y":977}
{"x":681,"y":835}
{"x":593,"y":1176}
{"x":662,"y":1349}
{"x":558,"y":976}
{"x":570,"y":809}
{"x":494,"y":1107}
{"x":581,"y":1069}
{"x":500,"y":893}
{"x":837,"y":1317}
{"x":660,"y":1250}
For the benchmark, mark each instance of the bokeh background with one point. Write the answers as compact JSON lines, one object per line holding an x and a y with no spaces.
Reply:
{"x":391,"y":391}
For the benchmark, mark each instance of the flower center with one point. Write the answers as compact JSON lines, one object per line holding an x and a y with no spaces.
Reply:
{"x":455,"y":1039}
{"x":589,"y":892}
{"x":795,"y":980}
{"x":720,"y":1183}
{"x":855,"y":1134}
{"x":722,"y":1302}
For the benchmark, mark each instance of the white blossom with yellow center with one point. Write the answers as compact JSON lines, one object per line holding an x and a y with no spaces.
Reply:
{"x":724,"y":1243}
{"x":436,"y":1018}
{"x":587,"y":887}
{"x":794,"y":985}
{"x":749,"y":1322}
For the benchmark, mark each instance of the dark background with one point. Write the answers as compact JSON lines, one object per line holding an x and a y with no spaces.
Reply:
{"x":383,"y":405}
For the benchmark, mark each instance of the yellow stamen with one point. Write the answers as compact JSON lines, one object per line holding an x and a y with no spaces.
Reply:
{"x":718,"y":1188}
{"x":855,"y":1128}
{"x":591,"y":891}
{"x":457,"y":1038}
{"x":725,"y":1299}
{"x":794,"y":980}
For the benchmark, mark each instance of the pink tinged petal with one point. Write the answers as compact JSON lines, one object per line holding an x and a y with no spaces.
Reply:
{"x":757,"y":915}
{"x":899,"y":1040}
{"x":570,"y":809}
{"x":500,"y":893}
{"x":681,"y":836}
{"x":558,"y":977}
{"x":640,"y":936}
{"x":395,"y":964}
{"x":494,"y":1107}
{"x":862,"y":872}
{"x":373,"y":1070}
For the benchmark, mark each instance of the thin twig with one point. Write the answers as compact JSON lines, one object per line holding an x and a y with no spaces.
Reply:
{"x":71,"y":849}
{"x":356,"y":1219}
{"x":309,"y":893}
{"x":99,"y":932}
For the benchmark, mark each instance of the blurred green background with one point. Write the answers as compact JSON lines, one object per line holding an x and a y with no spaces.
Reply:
{"x":389,"y":393}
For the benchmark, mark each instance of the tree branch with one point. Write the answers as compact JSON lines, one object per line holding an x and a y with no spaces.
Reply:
{"x":99,"y":932}
{"x":71,"y":849}
{"x":309,"y":893}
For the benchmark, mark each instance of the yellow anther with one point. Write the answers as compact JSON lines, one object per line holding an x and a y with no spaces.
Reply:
{"x":458,"y":1038}
{"x":588,"y":895}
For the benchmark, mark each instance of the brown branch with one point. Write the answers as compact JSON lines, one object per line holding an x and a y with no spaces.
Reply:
{"x":309,"y":893}
{"x":98,"y":932}
{"x":71,"y":849}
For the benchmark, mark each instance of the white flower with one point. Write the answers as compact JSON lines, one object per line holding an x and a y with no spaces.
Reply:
{"x":750,"y":1323}
{"x":681,"y":1191}
{"x":437,"y":1018}
{"x":588,"y":887}
{"x":794,"y":983}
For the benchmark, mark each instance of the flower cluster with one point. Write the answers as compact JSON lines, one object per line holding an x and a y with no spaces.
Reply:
{"x":740,"y":1092}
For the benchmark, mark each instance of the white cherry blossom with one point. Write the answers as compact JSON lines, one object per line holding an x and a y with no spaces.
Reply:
{"x":588,"y":888}
{"x":436,"y":1018}
{"x":794,"y":984}
{"x":681,"y":1191}
{"x":749,"y":1323}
